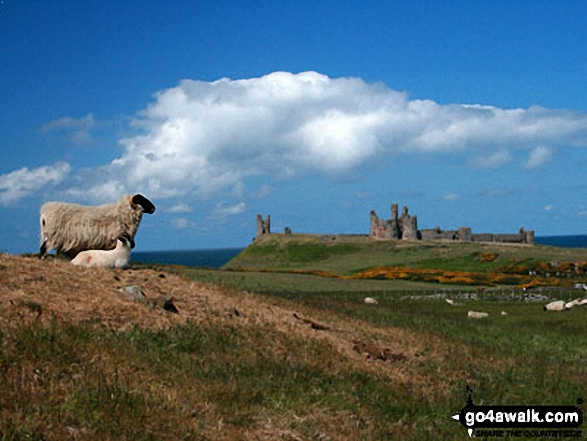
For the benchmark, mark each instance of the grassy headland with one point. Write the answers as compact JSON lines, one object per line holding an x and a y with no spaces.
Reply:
{"x":440,"y":262}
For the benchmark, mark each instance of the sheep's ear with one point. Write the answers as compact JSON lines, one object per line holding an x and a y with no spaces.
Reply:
{"x":146,"y":204}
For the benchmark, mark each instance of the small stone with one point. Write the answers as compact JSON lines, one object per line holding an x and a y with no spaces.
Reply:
{"x":132,"y":292}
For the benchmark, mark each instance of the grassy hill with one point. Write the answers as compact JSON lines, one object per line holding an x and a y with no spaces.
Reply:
{"x":355,"y":256}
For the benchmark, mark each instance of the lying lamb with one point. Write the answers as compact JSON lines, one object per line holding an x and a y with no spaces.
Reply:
{"x":119,"y":257}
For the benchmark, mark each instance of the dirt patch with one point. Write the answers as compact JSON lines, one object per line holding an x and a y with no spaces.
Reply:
{"x":377,"y":352}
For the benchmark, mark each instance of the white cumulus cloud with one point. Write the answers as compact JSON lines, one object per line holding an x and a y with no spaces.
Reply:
{"x":205,"y":136}
{"x":24,"y":182}
{"x":199,"y":138}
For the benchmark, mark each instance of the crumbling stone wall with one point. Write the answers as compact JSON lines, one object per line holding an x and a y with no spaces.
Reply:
{"x":522,"y":236}
{"x":381,"y":229}
{"x":439,"y":234}
{"x":465,"y":234}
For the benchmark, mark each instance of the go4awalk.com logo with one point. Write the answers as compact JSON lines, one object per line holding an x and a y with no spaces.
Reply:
{"x":520,"y":421}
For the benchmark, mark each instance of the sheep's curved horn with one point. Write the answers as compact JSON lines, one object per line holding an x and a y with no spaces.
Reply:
{"x":147,"y":205}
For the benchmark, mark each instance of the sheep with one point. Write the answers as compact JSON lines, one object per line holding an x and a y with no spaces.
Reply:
{"x":475,"y":314}
{"x":71,"y":228}
{"x":119,"y":257}
{"x":576,"y":302}
{"x":370,"y":301}
{"x":558,"y":305}
{"x":572,"y":303}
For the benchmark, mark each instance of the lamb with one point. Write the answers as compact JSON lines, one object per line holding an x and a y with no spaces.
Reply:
{"x":475,"y":314}
{"x":119,"y":257}
{"x":71,"y":228}
{"x":558,"y":305}
{"x":370,"y":301}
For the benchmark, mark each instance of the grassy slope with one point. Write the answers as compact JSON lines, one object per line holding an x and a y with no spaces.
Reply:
{"x":348,"y":255}
{"x":525,"y":357}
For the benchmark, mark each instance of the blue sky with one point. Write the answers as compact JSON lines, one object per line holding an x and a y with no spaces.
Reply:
{"x":471,"y":113}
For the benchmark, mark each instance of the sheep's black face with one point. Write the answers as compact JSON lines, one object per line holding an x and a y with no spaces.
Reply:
{"x":145,"y":203}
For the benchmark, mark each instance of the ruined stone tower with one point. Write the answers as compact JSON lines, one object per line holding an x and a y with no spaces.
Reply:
{"x":263,"y":226}
{"x":528,"y":235}
{"x":404,"y":227}
{"x":395,"y":225}
{"x":408,"y":225}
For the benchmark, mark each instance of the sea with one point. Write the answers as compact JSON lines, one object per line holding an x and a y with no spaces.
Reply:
{"x":216,"y":258}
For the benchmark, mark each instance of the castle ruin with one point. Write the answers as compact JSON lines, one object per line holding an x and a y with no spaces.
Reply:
{"x":405,"y":227}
